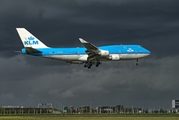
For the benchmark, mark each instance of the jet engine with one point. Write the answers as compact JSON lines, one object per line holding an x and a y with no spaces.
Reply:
{"x":103,"y":53}
{"x":114,"y":57}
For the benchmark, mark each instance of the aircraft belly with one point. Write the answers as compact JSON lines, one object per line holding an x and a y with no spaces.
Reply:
{"x":70,"y":57}
{"x":132,"y":56}
{"x":64,"y":57}
{"x":83,"y":58}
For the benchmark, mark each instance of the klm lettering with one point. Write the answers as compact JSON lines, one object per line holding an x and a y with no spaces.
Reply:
{"x":31,"y":42}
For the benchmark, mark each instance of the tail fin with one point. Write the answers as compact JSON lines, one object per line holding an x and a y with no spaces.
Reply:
{"x":29,"y":40}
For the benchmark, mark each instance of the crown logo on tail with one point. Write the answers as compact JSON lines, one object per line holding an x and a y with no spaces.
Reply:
{"x":31,"y":38}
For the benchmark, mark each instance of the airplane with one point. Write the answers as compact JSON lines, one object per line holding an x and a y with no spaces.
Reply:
{"x":88,"y":55}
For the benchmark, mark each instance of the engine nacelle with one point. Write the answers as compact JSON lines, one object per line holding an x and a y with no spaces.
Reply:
{"x":103,"y":53}
{"x":114,"y":57}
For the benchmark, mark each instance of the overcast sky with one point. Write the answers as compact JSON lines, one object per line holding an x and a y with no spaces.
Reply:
{"x":27,"y":80}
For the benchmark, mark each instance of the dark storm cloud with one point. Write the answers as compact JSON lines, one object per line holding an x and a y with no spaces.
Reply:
{"x":59,"y":23}
{"x":119,"y":82}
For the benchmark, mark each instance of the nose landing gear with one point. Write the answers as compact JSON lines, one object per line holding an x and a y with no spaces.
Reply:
{"x":137,"y":62}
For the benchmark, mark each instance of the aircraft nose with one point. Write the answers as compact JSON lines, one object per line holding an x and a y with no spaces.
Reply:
{"x":148,"y":52}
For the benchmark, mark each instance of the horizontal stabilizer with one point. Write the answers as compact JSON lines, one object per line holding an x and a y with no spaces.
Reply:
{"x":32,"y":50}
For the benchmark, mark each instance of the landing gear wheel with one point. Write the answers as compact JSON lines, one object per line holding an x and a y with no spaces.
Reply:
{"x":137,"y":62}
{"x":98,"y":63}
{"x":88,"y":64}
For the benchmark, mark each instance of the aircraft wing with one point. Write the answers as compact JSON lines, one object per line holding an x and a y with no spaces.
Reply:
{"x":88,"y":45}
{"x":92,"y":50}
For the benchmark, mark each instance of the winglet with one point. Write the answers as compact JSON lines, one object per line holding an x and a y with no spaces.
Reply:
{"x":82,"y":40}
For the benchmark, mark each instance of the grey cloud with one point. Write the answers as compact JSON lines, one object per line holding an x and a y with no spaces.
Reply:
{"x":119,"y":79}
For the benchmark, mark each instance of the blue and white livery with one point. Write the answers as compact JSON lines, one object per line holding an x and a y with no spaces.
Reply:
{"x":89,"y":54}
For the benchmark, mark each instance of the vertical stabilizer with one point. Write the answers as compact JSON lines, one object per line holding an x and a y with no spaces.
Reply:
{"x":29,"y":40}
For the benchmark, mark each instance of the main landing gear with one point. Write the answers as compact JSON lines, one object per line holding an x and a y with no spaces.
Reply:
{"x":90,"y":64}
{"x":98,"y":63}
{"x":137,"y":62}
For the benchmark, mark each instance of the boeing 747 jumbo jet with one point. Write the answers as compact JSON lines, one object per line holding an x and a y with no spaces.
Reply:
{"x":89,"y":54}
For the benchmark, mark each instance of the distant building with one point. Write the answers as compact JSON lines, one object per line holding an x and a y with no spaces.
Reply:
{"x":175,"y":104}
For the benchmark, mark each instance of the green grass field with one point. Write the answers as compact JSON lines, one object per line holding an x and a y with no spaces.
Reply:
{"x":91,"y":117}
{"x":86,"y":118}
